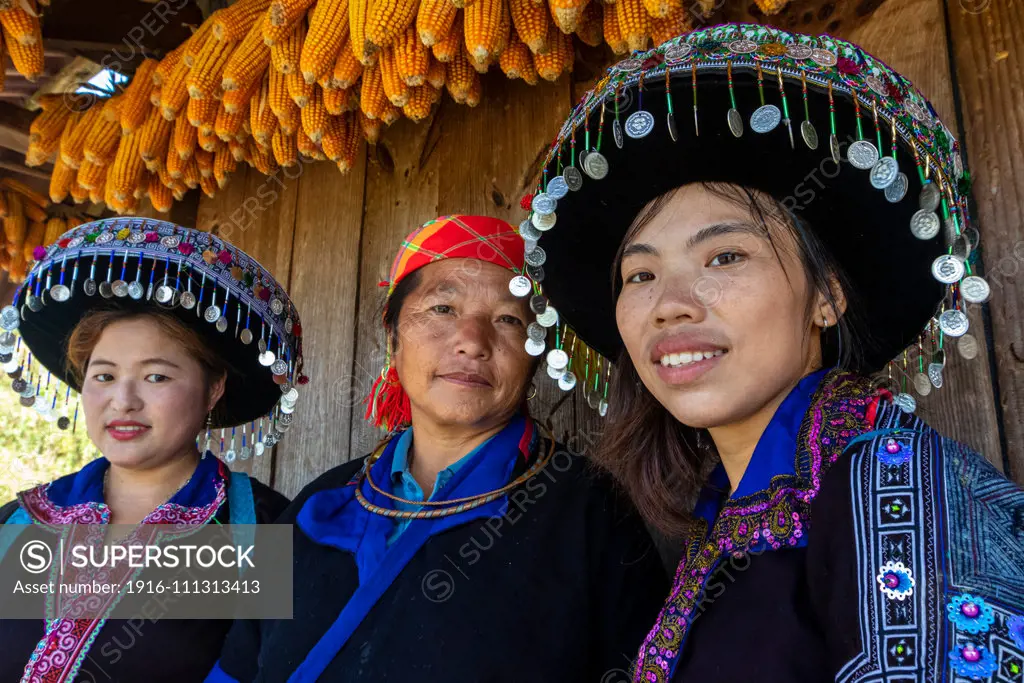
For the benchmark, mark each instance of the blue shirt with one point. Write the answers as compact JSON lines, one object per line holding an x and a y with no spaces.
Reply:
{"x":405,"y":485}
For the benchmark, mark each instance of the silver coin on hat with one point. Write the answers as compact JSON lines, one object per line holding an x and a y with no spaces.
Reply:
{"x":833,"y":148}
{"x":534,"y":347}
{"x":567,"y":381}
{"x":884,"y":173}
{"x":279,"y":367}
{"x":970,"y":234}
{"x":262,"y":346}
{"x":548,"y":318}
{"x":60,"y":293}
{"x":536,"y":332}
{"x":573,"y":178}
{"x":136,"y":237}
{"x":211,"y":314}
{"x":9,"y":318}
{"x":27,"y":401}
{"x":862,"y":154}
{"x":947,"y":269}
{"x":558,"y":359}
{"x":528,"y":232}
{"x":921,"y":384}
{"x":529,"y":245}
{"x":924,"y":225}
{"x":954,"y":322}
{"x":824,"y":57}
{"x":170,"y":241}
{"x":28,"y":392}
{"x":742,"y":47}
{"x":89,"y":287}
{"x":271,"y":440}
{"x":276,"y":306}
{"x":245,"y":453}
{"x":765,"y":118}
{"x":905,"y":402}
{"x":735,"y":122}
{"x":258,"y":448}
{"x":639,"y":124}
{"x":63,"y":422}
{"x":935,"y":374}
{"x":809,"y":134}
{"x":930,"y":197}
{"x":164,"y":294}
{"x":106,"y":291}
{"x":519,"y":286}
{"x":875,"y":83}
{"x":287,"y":408}
{"x":222,"y":324}
{"x":898,"y":189}
{"x":35,"y":303}
{"x":584,"y":153}
{"x":267,"y":358}
{"x":291,"y":395}
{"x":967,"y":346}
{"x":543,"y":203}
{"x":798,"y":51}
{"x":602,"y":407}
{"x":230,"y":455}
{"x":544,"y":222}
{"x":536,"y":273}
{"x":673,"y":131}
{"x":537,"y":257}
{"x":975,"y":290}
{"x":677,"y":53}
{"x":19,"y":385}
{"x":8,"y":342}
{"x":595,"y":165}
{"x":11,"y":365}
{"x":555,"y":373}
{"x":120,"y":288}
{"x":592,"y":400}
{"x":136,"y":290}
{"x":617,"y":134}
{"x":104,"y":238}
{"x":289,"y":325}
{"x":538,"y":304}
{"x":245,"y":336}
{"x":188,"y":300}
{"x":558,"y":188}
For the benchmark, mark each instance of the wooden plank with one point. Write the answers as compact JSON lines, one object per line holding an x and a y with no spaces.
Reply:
{"x":835,"y":17}
{"x":324,"y":287}
{"x":965,"y":408}
{"x":988,"y":52}
{"x":257,"y":214}
{"x":14,"y":125}
{"x":401,"y":194}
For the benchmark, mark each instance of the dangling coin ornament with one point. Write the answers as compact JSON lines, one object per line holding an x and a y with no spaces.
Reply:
{"x":120,"y":288}
{"x":538,"y":304}
{"x":639,"y":124}
{"x":63,"y":422}
{"x":262,"y":346}
{"x":833,"y":147}
{"x":259,"y":449}
{"x":544,"y":222}
{"x":567,"y":381}
{"x":35,"y":304}
{"x":230,"y":455}
{"x":924,"y":225}
{"x":528,"y":232}
{"x":954,"y":323}
{"x":558,"y":359}
{"x":898,"y":189}
{"x":558,"y":188}
{"x":60,"y":293}
{"x":809,"y":135}
{"x":947,"y":269}
{"x":884,"y":173}
{"x":617,"y":134}
{"x":136,"y":290}
{"x":534,"y":347}
{"x":555,"y":373}
{"x":188,"y":300}
{"x":967,"y":346}
{"x":9,"y":318}
{"x":279,"y":367}
{"x":930,"y":197}
{"x":573,"y":178}
{"x":862,"y":154}
{"x":536,"y":257}
{"x":975,"y":290}
{"x":735,"y":122}
{"x":212,"y":314}
{"x":164,"y":294}
{"x":602,"y":407}
{"x":536,"y":332}
{"x":222,"y":324}
{"x":595,"y":165}
{"x":543,"y":203}
{"x":765,"y":118}
{"x":245,"y":453}
{"x":89,"y":287}
{"x":519,"y":286}
{"x":246,"y":336}
{"x":106,"y":291}
{"x":267,"y":358}
{"x":935,"y":375}
{"x":905,"y":402}
{"x":548,"y":318}
{"x":921,"y":384}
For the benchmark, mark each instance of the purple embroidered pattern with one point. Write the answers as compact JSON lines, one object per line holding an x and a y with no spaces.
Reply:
{"x":769,"y":519}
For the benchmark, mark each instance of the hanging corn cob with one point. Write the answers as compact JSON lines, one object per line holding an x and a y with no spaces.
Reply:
{"x":613,"y":32}
{"x":436,"y":74}
{"x":20,"y":21}
{"x":531,"y":22}
{"x":285,"y":152}
{"x":228,"y":125}
{"x":461,"y":77}
{"x":675,"y":23}
{"x":234,"y":22}
{"x":567,"y":13}
{"x":634,"y":22}
{"x":371,"y":96}
{"x":160,"y":196}
{"x":285,"y":54}
{"x":34,"y":237}
{"x":15,"y":225}
{"x":205,"y":75}
{"x":299,"y":89}
{"x":26,"y":192}
{"x":483,"y":20}
{"x":91,"y":176}
{"x":347,"y":68}
{"x":386,"y":21}
{"x":154,"y":139}
{"x":395,"y":88}
{"x":224,"y":164}
{"x":558,"y":60}
{"x":421,"y":101}
{"x":135,"y":103}
{"x":358,"y":11}
{"x":33,"y":212}
{"x":517,"y":61}
{"x":591,"y":26}
{"x":412,"y":58}
{"x":55,"y":227}
{"x":434,"y":20}
{"x":126,"y":172}
{"x":449,"y":46}
{"x":337,"y":101}
{"x":281,"y":18}
{"x":60,"y":181}
{"x":314,"y":116}
{"x":328,"y":29}
{"x":262,"y":121}
{"x":247,"y":63}
{"x":27,"y":58}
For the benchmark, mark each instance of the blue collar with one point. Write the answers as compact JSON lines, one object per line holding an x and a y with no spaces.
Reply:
{"x":773,"y":455}
{"x":86,"y":485}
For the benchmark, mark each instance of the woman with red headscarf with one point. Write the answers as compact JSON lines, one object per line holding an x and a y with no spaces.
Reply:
{"x":469,"y":546}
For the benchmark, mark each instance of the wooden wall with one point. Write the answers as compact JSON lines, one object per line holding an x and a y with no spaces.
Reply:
{"x":330,"y":238}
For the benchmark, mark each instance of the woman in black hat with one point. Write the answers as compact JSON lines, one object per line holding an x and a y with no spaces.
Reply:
{"x":806,"y":225}
{"x":155,"y":327}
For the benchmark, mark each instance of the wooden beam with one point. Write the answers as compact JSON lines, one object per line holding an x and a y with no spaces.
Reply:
{"x":988,"y":53}
{"x":25,"y":170}
{"x":835,"y":17}
{"x":14,"y":125}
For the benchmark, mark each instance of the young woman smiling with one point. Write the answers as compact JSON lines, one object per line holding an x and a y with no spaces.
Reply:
{"x":151,"y":376}
{"x":828,"y":533}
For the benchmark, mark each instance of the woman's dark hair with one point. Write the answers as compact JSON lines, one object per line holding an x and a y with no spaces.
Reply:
{"x":661,"y":462}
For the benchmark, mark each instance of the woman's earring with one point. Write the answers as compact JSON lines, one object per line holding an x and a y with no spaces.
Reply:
{"x":209,"y":423}
{"x":532,"y":392}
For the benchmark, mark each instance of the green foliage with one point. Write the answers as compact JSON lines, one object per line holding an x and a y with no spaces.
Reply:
{"x":34,"y":451}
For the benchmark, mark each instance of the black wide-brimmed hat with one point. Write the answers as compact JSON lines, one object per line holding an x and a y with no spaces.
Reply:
{"x":835,"y":135}
{"x":213,"y":287}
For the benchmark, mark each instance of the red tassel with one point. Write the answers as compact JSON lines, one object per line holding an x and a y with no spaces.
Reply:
{"x":388,"y":404}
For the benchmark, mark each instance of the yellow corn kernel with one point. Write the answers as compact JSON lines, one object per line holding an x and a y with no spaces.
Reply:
{"x":285,"y":54}
{"x":358,"y":12}
{"x":460,"y":77}
{"x":205,"y":76}
{"x":531,"y":22}
{"x":517,"y":61}
{"x":55,"y":227}
{"x":387,"y":20}
{"x":370,"y":127}
{"x":247,"y":63}
{"x":347,"y":68}
{"x":135,"y":105}
{"x":328,"y":29}
{"x":395,"y":88}
{"x":659,"y":9}
{"x":306,"y":147}
{"x":263,"y":160}
{"x":634,"y":22}
{"x":371,"y":95}
{"x":234,"y":22}
{"x":298,"y":89}
{"x":483,"y":19}
{"x":60,"y":181}
{"x":567,"y":13}
{"x":28,"y":60}
{"x":676,"y":23}
{"x":591,"y":26}
{"x":91,"y":176}
{"x":559,"y":58}
{"x":20,"y":26}
{"x":451,"y":45}
{"x":160,"y":196}
{"x":155,"y":136}
{"x":281,"y":19}
{"x":412,"y":58}
{"x":175,"y":165}
{"x":613,"y":33}
{"x":434,"y":20}
{"x":285,"y":151}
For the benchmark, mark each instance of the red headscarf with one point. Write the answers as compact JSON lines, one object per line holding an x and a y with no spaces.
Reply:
{"x":473,"y":237}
